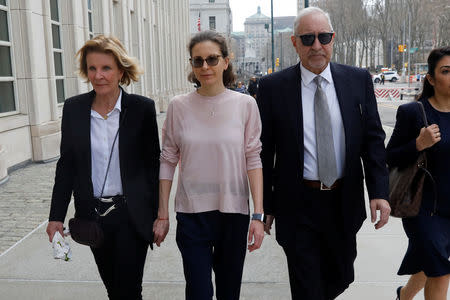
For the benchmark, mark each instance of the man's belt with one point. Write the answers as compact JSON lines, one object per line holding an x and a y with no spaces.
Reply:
{"x":316,"y":184}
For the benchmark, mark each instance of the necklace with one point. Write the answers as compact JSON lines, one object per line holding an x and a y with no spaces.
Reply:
{"x":212,"y":112}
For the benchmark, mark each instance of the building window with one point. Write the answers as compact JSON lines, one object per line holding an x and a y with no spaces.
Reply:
{"x":212,"y":23}
{"x":7,"y":98}
{"x":57,"y":50}
{"x":212,"y":1}
{"x":119,"y":30}
{"x":91,"y":31}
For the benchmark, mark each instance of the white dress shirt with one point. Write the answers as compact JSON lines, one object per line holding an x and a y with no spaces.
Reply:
{"x":310,"y":170}
{"x":103,"y":132}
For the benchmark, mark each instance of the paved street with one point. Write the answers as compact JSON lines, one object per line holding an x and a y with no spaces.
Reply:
{"x":388,"y":110}
{"x":28,"y":271}
{"x":397,"y":84}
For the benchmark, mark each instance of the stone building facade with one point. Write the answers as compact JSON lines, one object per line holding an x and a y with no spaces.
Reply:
{"x":211,"y":15}
{"x":38,"y":42}
{"x":257,"y":29}
{"x":300,"y":5}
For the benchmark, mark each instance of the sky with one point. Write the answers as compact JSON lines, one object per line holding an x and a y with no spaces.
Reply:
{"x":242,"y":9}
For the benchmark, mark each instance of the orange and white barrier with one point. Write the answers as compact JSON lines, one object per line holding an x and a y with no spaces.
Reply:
{"x":387,"y":93}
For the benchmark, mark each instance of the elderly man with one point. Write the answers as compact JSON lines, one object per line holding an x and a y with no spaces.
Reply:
{"x":320,"y":127}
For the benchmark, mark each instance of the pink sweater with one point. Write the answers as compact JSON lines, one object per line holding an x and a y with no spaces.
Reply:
{"x":216,"y":141}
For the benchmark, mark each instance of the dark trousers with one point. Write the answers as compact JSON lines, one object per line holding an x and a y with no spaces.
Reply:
{"x":212,"y":241}
{"x":120,"y":260}
{"x":319,"y":254}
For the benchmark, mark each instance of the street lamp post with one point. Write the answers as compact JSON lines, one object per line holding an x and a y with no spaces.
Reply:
{"x":271,"y":17}
{"x":403,"y":52}
{"x":409,"y":45}
{"x":281,"y":51}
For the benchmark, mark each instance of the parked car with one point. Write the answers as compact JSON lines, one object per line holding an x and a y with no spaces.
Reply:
{"x":258,"y":73}
{"x":388,"y":76}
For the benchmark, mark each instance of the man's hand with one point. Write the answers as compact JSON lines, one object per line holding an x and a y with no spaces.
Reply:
{"x":384,"y":208}
{"x":255,"y":235}
{"x":160,"y":230}
{"x":268,"y":225}
{"x":52,"y":227}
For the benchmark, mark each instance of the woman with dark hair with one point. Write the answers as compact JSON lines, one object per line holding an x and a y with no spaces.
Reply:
{"x":213,"y":133}
{"x":427,"y":257}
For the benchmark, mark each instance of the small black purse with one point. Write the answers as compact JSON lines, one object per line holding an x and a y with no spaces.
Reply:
{"x":86,"y":232}
{"x":89,"y":232}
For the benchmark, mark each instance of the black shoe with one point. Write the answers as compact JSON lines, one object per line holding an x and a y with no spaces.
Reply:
{"x":398,"y":292}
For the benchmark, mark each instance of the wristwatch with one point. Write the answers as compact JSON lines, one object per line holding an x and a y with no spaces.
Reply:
{"x":259,"y":217}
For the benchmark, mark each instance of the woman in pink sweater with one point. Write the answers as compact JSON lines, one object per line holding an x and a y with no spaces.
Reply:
{"x":213,"y":134}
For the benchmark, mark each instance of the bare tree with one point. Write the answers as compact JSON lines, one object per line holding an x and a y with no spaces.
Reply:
{"x":362,"y":25}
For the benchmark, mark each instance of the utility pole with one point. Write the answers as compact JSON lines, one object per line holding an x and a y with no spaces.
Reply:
{"x":403,"y":53}
{"x":409,"y":43}
{"x":273,"y":54}
{"x":281,"y":51}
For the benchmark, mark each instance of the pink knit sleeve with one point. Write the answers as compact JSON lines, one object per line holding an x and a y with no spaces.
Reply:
{"x":252,"y":136}
{"x":170,"y":154}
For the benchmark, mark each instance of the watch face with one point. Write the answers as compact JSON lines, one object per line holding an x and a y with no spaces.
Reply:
{"x":259,"y":217}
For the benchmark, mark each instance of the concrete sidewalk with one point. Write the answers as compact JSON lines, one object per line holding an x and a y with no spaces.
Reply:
{"x":28,"y":270}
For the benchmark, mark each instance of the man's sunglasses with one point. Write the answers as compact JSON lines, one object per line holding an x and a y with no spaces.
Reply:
{"x":308,"y":39}
{"x":198,"y":61}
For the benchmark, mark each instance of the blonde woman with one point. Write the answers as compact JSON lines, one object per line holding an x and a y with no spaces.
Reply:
{"x":110,"y":162}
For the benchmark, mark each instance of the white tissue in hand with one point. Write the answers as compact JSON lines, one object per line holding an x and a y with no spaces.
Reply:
{"x":61,"y":248}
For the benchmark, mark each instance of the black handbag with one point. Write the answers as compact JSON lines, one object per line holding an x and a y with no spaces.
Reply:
{"x":89,"y":232}
{"x":406,"y":183}
{"x":86,"y":232}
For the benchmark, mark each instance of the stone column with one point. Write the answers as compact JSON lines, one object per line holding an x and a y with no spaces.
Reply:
{"x":43,"y":114}
{"x":3,"y":166}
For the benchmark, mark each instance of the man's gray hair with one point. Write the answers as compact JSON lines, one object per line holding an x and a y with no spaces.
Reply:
{"x":308,"y":11}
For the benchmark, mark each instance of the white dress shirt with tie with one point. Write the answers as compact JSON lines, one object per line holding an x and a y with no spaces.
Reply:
{"x":308,"y":89}
{"x":103,"y":132}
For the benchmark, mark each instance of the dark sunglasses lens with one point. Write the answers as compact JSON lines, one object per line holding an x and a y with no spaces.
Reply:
{"x":197,"y":62}
{"x":307,"y":39}
{"x":212,"y":61}
{"x":325,"y":38}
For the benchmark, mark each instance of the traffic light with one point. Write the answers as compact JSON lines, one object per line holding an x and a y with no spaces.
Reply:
{"x":277,"y":62}
{"x":401,"y":48}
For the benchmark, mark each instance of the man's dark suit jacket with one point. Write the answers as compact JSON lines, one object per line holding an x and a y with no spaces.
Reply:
{"x":280,"y":103}
{"x":138,"y":154}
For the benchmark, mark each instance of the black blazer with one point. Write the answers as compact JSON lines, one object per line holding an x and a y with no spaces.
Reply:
{"x":138,"y":154}
{"x":280,"y":104}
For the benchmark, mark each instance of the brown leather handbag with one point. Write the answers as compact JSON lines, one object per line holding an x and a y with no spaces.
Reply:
{"x":406,"y":183}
